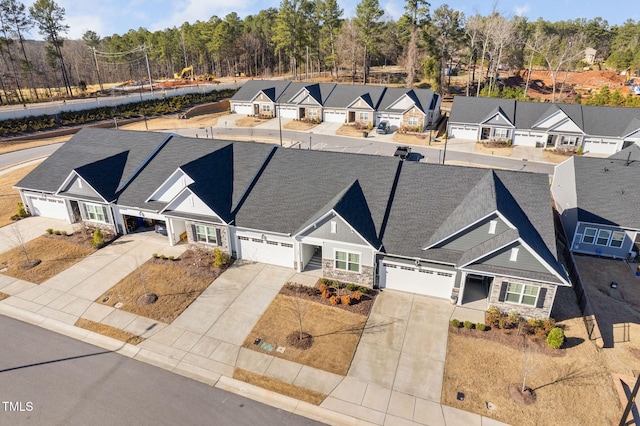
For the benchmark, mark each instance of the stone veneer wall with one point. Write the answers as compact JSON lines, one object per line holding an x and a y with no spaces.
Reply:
{"x":527,"y":311}
{"x":415,"y":112}
{"x":223,"y":244}
{"x":365,"y":277}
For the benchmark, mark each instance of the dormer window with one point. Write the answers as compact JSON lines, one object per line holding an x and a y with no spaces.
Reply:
{"x":492,"y":226}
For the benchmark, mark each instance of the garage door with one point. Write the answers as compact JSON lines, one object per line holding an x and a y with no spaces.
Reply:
{"x":287,"y":112}
{"x":597,"y":147}
{"x":265,"y":251}
{"x":418,"y":280}
{"x":394,"y":120}
{"x":528,"y":140}
{"x":243,"y":108}
{"x":335,"y":116}
{"x":49,"y":207}
{"x":463,"y":133}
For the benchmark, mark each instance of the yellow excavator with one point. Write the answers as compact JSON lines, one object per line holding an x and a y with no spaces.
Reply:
{"x":185,"y":73}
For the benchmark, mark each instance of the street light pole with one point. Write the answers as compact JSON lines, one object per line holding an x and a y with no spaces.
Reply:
{"x":279,"y":121}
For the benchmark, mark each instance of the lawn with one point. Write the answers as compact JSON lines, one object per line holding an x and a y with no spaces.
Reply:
{"x":501,"y":151}
{"x":9,"y":197}
{"x":107,"y":330}
{"x":10,"y":146}
{"x":55,"y":255}
{"x":572,"y":385}
{"x":299,"y":125}
{"x":249,"y":121}
{"x":335,"y":332}
{"x":176,"y":283}
{"x":351,"y":131}
{"x":282,"y":388}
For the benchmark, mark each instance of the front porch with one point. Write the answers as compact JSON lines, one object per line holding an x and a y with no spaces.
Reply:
{"x":475,"y":291}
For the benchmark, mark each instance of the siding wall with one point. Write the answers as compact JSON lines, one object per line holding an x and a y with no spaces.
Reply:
{"x":541,"y":310}
{"x":622,"y":252}
{"x":223,"y":241}
{"x":475,"y":235}
{"x":343,"y":231}
{"x":525,"y":260}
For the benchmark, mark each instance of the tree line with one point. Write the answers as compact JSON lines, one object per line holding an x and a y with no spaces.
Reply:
{"x":305,"y":38}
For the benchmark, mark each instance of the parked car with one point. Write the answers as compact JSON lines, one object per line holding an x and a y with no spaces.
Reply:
{"x":403,"y":152}
{"x":383,"y":127}
{"x":160,"y":228}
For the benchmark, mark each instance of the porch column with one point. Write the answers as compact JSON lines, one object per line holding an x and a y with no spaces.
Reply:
{"x":463,"y":279}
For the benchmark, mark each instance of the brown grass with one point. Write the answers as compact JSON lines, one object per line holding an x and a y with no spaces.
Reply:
{"x":410,"y":139}
{"x":10,"y":146}
{"x":351,"y":131}
{"x":553,"y":157}
{"x":335,"y":332}
{"x":175,"y":284}
{"x":249,"y":122}
{"x":4,"y":296}
{"x":109,"y":331}
{"x":299,"y":125}
{"x":55,"y":255}
{"x":282,"y":388}
{"x":501,"y":151}
{"x":574,"y":389}
{"x":9,"y":197}
{"x":168,"y":123}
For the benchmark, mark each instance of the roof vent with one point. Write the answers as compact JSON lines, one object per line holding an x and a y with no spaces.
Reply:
{"x":605,"y":170}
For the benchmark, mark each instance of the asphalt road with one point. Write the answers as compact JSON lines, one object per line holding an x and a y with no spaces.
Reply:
{"x":23,"y":155}
{"x":57,"y":380}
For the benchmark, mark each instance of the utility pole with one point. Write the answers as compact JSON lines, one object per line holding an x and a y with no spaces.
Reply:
{"x":630,"y":403}
{"x":279,"y":121}
{"x":95,"y":59}
{"x":146,"y":57}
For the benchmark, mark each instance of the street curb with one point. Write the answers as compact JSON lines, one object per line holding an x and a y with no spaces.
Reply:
{"x":16,"y":166}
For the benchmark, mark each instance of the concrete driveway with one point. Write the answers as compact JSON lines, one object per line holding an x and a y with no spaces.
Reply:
{"x":397,"y":371}
{"x":28,"y":229}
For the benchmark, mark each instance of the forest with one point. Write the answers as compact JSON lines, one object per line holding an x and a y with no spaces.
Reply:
{"x":305,"y":38}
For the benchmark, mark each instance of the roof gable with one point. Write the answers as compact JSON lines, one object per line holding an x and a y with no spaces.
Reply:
{"x":76,"y":186}
{"x":105,"y":175}
{"x":404,"y":103}
{"x":497,"y":117}
{"x":171,"y":187}
{"x":187,"y":202}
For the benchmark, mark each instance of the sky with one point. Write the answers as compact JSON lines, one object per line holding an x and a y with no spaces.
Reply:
{"x":108,"y":17}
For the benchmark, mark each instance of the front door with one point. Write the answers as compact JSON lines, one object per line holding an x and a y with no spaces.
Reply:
{"x":75,"y":209}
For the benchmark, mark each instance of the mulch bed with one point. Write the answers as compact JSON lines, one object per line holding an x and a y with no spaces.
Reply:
{"x":83,"y":237}
{"x":362,"y":307}
{"x":194,"y":262}
{"x":509,"y":338}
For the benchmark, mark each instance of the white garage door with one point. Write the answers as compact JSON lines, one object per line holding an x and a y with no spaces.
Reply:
{"x":527,"y":140}
{"x":335,"y":116}
{"x":394,"y":120}
{"x":265,"y":251}
{"x":464,"y":133}
{"x":288,"y":112}
{"x":597,"y":147}
{"x":418,"y":280}
{"x":243,"y":108}
{"x":49,"y":207}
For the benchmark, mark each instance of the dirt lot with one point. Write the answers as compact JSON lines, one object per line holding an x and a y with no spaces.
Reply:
{"x":173,"y":122}
{"x":573,"y":387}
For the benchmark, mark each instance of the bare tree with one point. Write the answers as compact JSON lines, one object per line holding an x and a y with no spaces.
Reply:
{"x":418,"y":13}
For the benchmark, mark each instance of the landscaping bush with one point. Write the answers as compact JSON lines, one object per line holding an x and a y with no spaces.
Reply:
{"x":513,"y":319}
{"x":98,"y":238}
{"x":352,"y":287}
{"x":22,"y":212}
{"x":363,"y":290}
{"x":49,"y":231}
{"x":325,"y":281}
{"x":555,"y":339}
{"x":155,"y":255}
{"x":57,"y":232}
{"x":65,"y":233}
{"x":548,"y":325}
{"x":480,"y":326}
{"x":334,"y":300}
{"x":356,"y":295}
{"x":455,"y":323}
{"x":220,"y":258}
{"x":322,"y":288}
{"x":493,"y":317}
{"x":326,"y":293}
{"x":345,"y":300}
{"x":468,"y":325}
{"x":171,"y":258}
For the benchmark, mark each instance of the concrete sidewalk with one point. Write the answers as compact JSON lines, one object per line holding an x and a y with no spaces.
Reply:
{"x":395,"y":377}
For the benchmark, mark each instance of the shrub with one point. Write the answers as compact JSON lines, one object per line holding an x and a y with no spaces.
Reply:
{"x":171,"y":258}
{"x":334,"y":300}
{"x":57,"y":232}
{"x":356,"y":295}
{"x":455,"y":323}
{"x":363,"y":290}
{"x":322,"y":288}
{"x":468,"y":325}
{"x":548,"y":325}
{"x":22,"y":212}
{"x":326,"y":293}
{"x":220,"y":258}
{"x":345,"y":300}
{"x":503,"y":323}
{"x":514,"y":319}
{"x":65,"y":233}
{"x":155,"y":255}
{"x":555,"y":339}
{"x":351,"y":287}
{"x":325,"y":281}
{"x":163,"y":257}
{"x":49,"y":231}
{"x":98,"y":238}
{"x":493,"y":316}
{"x":480,"y":326}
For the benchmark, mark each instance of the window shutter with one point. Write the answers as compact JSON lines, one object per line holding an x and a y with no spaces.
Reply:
{"x":194,"y":235}
{"x":503,"y":291}
{"x":541,"y":296}
{"x":218,"y":242}
{"x":106,"y":214}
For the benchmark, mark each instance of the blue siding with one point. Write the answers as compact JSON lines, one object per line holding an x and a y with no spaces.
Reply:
{"x":475,"y":235}
{"x":343,"y":233}
{"x":601,"y":250}
{"x":525,"y":260}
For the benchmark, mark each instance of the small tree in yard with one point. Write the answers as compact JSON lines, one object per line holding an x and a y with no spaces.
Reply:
{"x":555,"y":339}
{"x":220,"y":258}
{"x":98,"y":238}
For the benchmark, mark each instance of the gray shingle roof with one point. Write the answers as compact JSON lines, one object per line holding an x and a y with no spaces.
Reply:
{"x":272,"y":88}
{"x":344,"y":94}
{"x":608,"y":189}
{"x":475,"y":110}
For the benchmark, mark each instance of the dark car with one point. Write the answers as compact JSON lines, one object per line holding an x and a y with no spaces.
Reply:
{"x":383,"y":128}
{"x":403,"y":152}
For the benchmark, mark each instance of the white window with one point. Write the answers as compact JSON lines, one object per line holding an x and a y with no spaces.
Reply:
{"x":364,"y":115}
{"x":347,"y":261}
{"x":334,"y":227}
{"x":616,"y":239}
{"x":412,"y":121}
{"x":514,"y":254}
{"x":589,"y":235}
{"x":312,"y":112}
{"x":523,"y":294}
{"x":603,"y":237}
{"x":96,"y":213}
{"x":206,"y":234}
{"x":492,"y":226}
{"x":501,"y":133}
{"x":266,"y":108}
